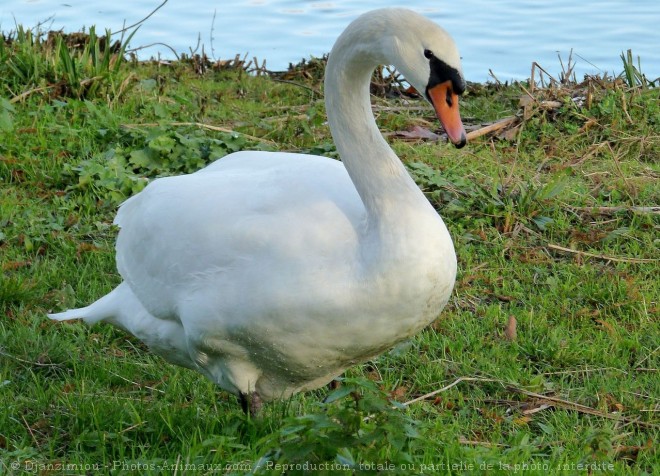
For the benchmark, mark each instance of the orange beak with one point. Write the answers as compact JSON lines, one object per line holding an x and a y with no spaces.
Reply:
{"x":445,"y":103}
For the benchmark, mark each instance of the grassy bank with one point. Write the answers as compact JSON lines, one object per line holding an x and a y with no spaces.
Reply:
{"x":545,"y":361}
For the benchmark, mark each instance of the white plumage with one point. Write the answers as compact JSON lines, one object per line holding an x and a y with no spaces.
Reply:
{"x":271,"y":273}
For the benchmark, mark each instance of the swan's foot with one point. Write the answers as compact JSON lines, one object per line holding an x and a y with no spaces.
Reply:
{"x":251,"y":403}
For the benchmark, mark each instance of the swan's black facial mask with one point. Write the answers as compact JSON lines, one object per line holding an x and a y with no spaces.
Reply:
{"x":444,"y":86}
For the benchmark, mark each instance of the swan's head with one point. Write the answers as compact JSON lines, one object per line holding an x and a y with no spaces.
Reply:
{"x":445,"y":84}
{"x":421,"y":50}
{"x":428,"y":58}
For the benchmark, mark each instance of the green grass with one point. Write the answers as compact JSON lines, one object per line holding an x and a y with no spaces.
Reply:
{"x":580,"y":177}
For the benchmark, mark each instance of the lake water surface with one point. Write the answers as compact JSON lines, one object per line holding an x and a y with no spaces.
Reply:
{"x":505,"y":36}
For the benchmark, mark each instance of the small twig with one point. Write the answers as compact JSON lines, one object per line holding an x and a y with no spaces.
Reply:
{"x":114,"y":396}
{"x":453,"y":384}
{"x":590,"y":153}
{"x":143,"y":20}
{"x":531,"y":96}
{"x":599,"y":369}
{"x":297,"y":117}
{"x":34,"y":438}
{"x":641,"y":395}
{"x":616,"y":163}
{"x":36,"y":364}
{"x":135,"y":383}
{"x":199,"y":124}
{"x":259,"y":69}
{"x":199,"y":42}
{"x":552,"y":79}
{"x":293,"y":83}
{"x":215,"y":11}
{"x":494,"y":127}
{"x":464,"y":441}
{"x":613,"y":210}
{"x":158,"y":43}
{"x":647,"y":357}
{"x":603,"y":257}
{"x":132,"y":427}
{"x":566,"y":404}
{"x":560,"y":401}
{"x":540,"y":408}
{"x":492,"y":74}
{"x":29,"y":92}
{"x":625,"y":109}
{"x":578,"y":407}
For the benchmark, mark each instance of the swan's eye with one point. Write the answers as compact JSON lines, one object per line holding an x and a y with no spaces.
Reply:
{"x":428,"y":54}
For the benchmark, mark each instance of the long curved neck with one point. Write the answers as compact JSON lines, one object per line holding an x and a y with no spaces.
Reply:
{"x":380,"y":178}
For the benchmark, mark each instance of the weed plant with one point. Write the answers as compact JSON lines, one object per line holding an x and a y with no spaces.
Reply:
{"x":60,"y":65}
{"x":545,"y":360}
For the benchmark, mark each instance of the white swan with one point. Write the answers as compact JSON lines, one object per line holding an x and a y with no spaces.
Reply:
{"x":271,"y":273}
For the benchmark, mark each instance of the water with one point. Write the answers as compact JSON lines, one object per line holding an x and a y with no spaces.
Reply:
{"x":505,"y":37}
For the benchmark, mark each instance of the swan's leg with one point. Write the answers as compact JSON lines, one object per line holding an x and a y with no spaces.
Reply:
{"x":332,"y":385}
{"x":251,"y":403}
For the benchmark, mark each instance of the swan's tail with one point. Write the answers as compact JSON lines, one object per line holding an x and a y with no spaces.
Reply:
{"x":123,"y":309}
{"x":104,"y":308}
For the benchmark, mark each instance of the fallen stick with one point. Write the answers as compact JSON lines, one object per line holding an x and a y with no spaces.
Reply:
{"x":198,"y":124}
{"x":603,"y":257}
{"x":612,"y":210}
{"x":578,"y":407}
{"x":453,"y":384}
{"x":494,"y":127}
{"x":555,"y":401}
{"x":464,"y":441}
{"x":25,"y":94}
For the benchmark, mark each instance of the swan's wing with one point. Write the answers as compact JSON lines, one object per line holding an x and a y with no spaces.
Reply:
{"x":248,"y":214}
